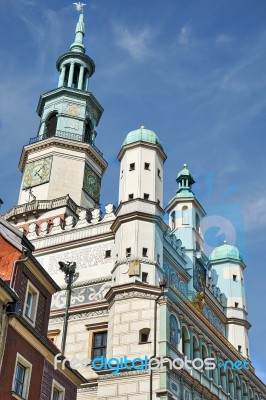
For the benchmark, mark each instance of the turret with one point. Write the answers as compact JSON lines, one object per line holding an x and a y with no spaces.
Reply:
{"x":227,"y":269}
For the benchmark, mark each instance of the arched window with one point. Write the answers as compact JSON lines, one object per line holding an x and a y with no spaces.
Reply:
{"x":195,"y":347}
{"x":173,"y":222}
{"x":66,"y":75}
{"x":238,"y":389}
{"x":50,"y":126}
{"x":144,"y":335}
{"x":185,"y":219}
{"x":231,"y":383}
{"x":204,"y":356}
{"x":173,"y":331}
{"x":75,"y":80}
{"x":88,"y":133}
{"x":198,"y":223}
{"x":185,"y":342}
{"x":214,"y":372}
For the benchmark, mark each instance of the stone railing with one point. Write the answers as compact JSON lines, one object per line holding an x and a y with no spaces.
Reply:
{"x":40,"y":205}
{"x":66,"y":135}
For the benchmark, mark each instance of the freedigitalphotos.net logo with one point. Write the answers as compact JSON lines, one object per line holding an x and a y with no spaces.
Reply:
{"x":149,"y":364}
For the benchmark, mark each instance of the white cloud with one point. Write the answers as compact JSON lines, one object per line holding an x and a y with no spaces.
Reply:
{"x":185,"y":35}
{"x":223,"y":38}
{"x":137,"y":43}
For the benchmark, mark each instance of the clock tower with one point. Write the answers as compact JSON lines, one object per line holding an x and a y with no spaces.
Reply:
{"x":63,"y":160}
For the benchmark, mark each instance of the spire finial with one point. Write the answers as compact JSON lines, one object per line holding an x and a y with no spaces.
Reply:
{"x":185,"y":166}
{"x":225,"y":241}
{"x":78,"y":45}
{"x":79,"y":6}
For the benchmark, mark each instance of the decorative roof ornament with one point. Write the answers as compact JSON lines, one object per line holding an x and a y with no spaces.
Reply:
{"x":79,"y":6}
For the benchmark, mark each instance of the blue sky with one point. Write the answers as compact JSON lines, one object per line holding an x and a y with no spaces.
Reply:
{"x":193,"y":71}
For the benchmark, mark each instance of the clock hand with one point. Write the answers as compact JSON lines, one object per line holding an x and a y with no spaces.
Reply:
{"x":36,"y":173}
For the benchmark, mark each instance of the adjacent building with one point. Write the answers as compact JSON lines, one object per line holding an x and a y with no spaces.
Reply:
{"x":144,"y":285}
{"x":26,"y":354}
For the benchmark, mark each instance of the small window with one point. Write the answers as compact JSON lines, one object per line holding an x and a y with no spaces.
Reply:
{"x":234,"y":278}
{"x":21,"y":378}
{"x":144,"y":335}
{"x":132,"y":167}
{"x":144,"y":277}
{"x":159,"y":173}
{"x":147,"y":166}
{"x":31,"y":303}
{"x":236,"y":305}
{"x":144,"y":252}
{"x":158,"y":258}
{"x":107,"y":253}
{"x":128,"y":252}
{"x":131,"y":196}
{"x":173,"y":225}
{"x":240,"y":349}
{"x":99,"y":344}
{"x":146,"y":196}
{"x":158,"y":201}
{"x":53,"y":335}
{"x":58,"y":391}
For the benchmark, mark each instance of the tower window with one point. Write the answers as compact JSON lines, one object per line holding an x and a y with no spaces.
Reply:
{"x":159,"y":173}
{"x":132,"y":167}
{"x":131,"y":196}
{"x":197,"y":223}
{"x":50,"y":126}
{"x":158,"y":258}
{"x":146,"y":196}
{"x":147,"y":166}
{"x":236,"y":305}
{"x":144,"y":277}
{"x":74,"y":84}
{"x":240,"y":349}
{"x":234,"y":278}
{"x":144,"y":335}
{"x":144,"y":252}
{"x":173,"y":220}
{"x":107,"y":253}
{"x":128,"y":252}
{"x":185,"y":220}
{"x":158,"y":201}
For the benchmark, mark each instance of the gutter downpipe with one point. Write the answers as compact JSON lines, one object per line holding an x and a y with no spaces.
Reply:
{"x":15,"y":265}
{"x":162,"y":286}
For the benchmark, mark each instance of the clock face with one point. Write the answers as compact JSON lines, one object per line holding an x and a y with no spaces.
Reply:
{"x":37,"y":172}
{"x":92,"y":183}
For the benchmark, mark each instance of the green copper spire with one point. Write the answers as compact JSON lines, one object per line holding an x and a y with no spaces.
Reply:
{"x":78,"y":45}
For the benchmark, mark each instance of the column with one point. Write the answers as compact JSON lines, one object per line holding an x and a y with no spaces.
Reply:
{"x":71,"y":73}
{"x":81,"y":77}
{"x":62,"y":76}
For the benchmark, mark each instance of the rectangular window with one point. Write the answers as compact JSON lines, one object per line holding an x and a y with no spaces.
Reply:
{"x":239,"y":349}
{"x":21,"y":378}
{"x":107,"y":253}
{"x":128,"y":252}
{"x":58,"y":391}
{"x":131,"y":196}
{"x":236,"y":305}
{"x":99,"y":344}
{"x":147,"y":166}
{"x":234,"y":278}
{"x":144,"y":277}
{"x":132,"y":167}
{"x":158,"y":258}
{"x":159,"y":173}
{"x":31,"y":303}
{"x":146,"y":196}
{"x":144,"y":252}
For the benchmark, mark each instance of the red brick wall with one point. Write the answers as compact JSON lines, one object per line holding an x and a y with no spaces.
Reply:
{"x":8,"y":255}
{"x":15,"y":344}
{"x":49,"y":373}
{"x":42,"y":317}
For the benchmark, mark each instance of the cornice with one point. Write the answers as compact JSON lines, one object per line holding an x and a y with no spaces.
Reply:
{"x":62,"y":143}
